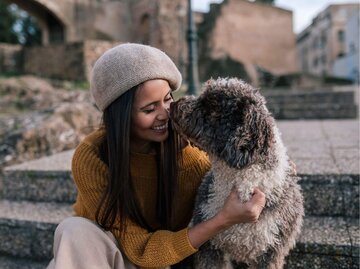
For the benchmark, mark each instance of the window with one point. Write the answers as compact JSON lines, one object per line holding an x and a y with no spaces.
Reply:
{"x":341,"y":36}
{"x":315,"y":62}
{"x":341,"y":54}
{"x":352,"y":48}
{"x":315,"y":43}
{"x":323,"y":40}
{"x":323,"y":59}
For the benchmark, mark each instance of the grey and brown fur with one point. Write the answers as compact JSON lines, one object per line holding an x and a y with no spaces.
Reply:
{"x":230,"y":121}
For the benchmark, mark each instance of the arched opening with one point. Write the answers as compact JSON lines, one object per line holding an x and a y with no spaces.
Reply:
{"x":18,"y":26}
{"x":52,"y":28}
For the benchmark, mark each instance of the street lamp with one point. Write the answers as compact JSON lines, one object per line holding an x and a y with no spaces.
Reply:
{"x":181,"y":14}
{"x":193,"y":75}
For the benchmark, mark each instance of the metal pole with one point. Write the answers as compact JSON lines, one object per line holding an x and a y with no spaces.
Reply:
{"x":193,"y":75}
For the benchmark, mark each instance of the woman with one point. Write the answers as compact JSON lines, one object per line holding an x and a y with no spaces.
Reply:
{"x":136,"y":179}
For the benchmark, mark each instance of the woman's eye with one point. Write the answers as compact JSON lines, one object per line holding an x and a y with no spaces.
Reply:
{"x":168,"y":99}
{"x":148,"y":111}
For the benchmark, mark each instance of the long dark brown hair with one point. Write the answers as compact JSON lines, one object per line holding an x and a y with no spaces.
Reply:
{"x":119,"y":199}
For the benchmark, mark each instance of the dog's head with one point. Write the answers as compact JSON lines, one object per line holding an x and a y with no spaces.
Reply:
{"x":229,"y":119}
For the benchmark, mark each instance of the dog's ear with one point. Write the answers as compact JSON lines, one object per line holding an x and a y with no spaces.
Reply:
{"x":251,"y":140}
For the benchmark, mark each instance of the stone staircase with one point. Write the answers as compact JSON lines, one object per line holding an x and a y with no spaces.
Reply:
{"x":301,"y":104}
{"x":37,"y":195}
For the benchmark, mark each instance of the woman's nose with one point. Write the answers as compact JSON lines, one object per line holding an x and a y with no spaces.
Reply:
{"x":164,"y":113}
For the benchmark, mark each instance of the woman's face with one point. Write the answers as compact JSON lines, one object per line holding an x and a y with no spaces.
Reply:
{"x":150,"y":112}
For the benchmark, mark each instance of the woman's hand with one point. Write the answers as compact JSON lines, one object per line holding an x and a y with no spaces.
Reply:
{"x":234,"y":211}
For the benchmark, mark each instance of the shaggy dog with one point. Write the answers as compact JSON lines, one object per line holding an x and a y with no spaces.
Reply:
{"x":230,"y":121}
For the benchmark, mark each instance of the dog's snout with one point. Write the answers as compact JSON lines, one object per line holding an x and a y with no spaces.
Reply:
{"x":182,"y":107}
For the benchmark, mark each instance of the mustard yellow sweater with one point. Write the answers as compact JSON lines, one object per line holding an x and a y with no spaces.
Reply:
{"x":143,"y":248}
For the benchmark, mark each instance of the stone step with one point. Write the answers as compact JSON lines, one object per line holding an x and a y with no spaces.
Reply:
{"x":39,"y":186}
{"x":331,"y":195}
{"x":306,"y":106}
{"x":26,"y":229}
{"x":324,"y":195}
{"x":18,"y":263}
{"x":313,"y":111}
{"x":312,"y":105}
{"x":47,"y":179}
{"x":294,"y":97}
{"x":26,"y":232}
{"x":327,"y":243}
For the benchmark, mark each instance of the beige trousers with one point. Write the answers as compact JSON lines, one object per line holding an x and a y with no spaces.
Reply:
{"x":81,"y":244}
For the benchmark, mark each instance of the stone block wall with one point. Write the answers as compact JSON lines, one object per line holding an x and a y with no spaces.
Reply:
{"x":71,"y":61}
{"x":11,"y":58}
{"x":255,"y":35}
{"x":64,"y":61}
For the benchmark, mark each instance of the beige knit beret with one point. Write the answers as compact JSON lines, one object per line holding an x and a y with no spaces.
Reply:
{"x":128,"y":65}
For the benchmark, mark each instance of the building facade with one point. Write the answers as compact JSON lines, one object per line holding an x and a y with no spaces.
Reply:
{"x":323,"y":42}
{"x":258,"y":36}
{"x":348,"y":65}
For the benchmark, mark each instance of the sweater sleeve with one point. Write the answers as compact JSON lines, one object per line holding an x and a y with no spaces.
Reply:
{"x":145,"y":249}
{"x":157,"y":249}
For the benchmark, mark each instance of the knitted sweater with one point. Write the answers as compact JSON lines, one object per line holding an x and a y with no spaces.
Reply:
{"x":146,"y":249}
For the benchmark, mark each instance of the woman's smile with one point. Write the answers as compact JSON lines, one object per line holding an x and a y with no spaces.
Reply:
{"x":160,"y":128}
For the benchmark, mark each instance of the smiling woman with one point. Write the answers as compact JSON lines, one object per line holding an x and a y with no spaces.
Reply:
{"x":136,"y":179}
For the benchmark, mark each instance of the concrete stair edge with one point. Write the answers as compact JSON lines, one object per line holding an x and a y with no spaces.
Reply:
{"x":8,"y":262}
{"x":324,"y":195}
{"x":320,"y":236}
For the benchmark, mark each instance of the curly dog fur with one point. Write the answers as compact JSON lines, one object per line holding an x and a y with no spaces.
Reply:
{"x":230,"y":121}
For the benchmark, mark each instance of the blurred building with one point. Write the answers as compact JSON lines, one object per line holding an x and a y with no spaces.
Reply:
{"x":331,"y":41}
{"x":236,"y":38}
{"x":241,"y":38}
{"x":157,"y":23}
{"x":348,"y":65}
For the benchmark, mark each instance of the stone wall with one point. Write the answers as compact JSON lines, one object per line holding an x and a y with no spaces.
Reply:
{"x":161,"y":24}
{"x":71,"y":61}
{"x":11,"y":58}
{"x":255,"y":35}
{"x":55,"y":61}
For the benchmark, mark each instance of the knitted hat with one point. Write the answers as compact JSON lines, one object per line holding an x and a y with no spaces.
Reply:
{"x":128,"y":65}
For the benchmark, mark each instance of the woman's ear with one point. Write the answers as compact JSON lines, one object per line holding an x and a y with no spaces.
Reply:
{"x":250,"y":141}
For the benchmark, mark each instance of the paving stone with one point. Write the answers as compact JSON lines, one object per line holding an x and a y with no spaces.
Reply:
{"x":310,"y":166}
{"x":323,"y":146}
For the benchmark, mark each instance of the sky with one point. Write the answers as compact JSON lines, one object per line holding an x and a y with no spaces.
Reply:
{"x":303,"y":10}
